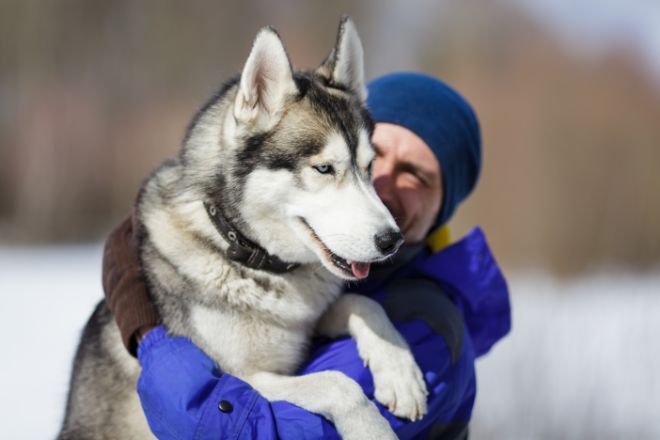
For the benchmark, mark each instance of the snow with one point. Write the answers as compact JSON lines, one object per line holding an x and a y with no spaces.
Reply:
{"x":583,"y":360}
{"x":46,"y":295}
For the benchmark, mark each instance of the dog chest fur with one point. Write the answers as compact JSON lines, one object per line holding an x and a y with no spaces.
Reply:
{"x":247,"y":320}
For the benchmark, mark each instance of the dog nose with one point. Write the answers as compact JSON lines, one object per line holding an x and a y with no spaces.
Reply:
{"x":389,"y":242}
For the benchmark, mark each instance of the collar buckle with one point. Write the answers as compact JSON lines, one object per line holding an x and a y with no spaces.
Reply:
{"x":243,"y":250}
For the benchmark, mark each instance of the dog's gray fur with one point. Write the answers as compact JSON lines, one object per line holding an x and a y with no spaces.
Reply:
{"x":252,"y":150}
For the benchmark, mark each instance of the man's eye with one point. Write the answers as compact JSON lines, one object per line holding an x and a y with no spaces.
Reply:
{"x":324,"y":169}
{"x":409,"y":175}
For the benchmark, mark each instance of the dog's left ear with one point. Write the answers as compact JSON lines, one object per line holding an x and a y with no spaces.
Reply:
{"x":345,"y":64}
{"x":266,"y":82}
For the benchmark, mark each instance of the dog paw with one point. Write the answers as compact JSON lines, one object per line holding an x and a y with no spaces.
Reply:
{"x":364,"y":423}
{"x":398,"y":381}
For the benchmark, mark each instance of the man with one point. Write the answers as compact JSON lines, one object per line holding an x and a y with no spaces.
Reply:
{"x":450,"y":306}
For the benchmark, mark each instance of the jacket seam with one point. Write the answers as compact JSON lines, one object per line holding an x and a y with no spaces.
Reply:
{"x":210,"y":403}
{"x":244,"y":415}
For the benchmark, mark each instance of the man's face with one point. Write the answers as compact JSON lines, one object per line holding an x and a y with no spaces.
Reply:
{"x":407,"y":177}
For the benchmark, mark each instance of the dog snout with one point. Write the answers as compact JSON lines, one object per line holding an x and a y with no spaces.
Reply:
{"x":389,"y":241}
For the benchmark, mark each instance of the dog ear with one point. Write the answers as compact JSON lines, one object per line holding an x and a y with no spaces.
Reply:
{"x":266,"y":81}
{"x":345,"y":64}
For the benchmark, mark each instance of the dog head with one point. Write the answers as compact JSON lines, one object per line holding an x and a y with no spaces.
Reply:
{"x":290,"y":157}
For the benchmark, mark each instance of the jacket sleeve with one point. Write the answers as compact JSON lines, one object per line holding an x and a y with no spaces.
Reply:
{"x":451,"y":387}
{"x":434,"y":328}
{"x":185,"y":396}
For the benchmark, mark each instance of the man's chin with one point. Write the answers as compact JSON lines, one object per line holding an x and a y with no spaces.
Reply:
{"x":413,"y":232}
{"x":408,"y":232}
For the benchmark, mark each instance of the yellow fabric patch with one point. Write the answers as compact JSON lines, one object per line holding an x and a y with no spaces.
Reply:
{"x":439,"y":239}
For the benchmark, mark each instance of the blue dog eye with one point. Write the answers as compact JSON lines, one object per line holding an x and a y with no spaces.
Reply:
{"x":324,"y":169}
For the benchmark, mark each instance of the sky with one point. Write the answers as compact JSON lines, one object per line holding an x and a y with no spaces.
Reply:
{"x":592,"y":26}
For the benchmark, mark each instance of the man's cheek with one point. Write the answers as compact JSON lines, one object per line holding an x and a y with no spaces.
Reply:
{"x":391,"y":206}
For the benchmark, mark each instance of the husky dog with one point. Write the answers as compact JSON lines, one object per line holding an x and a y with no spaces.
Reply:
{"x":247,"y":236}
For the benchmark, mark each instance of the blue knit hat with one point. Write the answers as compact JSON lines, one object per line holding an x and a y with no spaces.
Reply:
{"x":442,"y":118}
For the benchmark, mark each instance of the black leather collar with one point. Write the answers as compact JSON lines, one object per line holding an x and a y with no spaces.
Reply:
{"x":241,"y":249}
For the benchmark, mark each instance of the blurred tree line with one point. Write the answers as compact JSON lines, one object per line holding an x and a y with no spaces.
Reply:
{"x":94,"y":95}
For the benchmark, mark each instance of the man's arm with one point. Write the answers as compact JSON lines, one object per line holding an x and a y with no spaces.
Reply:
{"x":124,"y":286}
{"x":185,"y":395}
{"x":183,"y":391}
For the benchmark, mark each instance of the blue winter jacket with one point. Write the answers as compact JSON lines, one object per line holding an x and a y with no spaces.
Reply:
{"x":451,"y":307}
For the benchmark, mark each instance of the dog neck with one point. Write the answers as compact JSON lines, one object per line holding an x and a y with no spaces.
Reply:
{"x":243,"y":250}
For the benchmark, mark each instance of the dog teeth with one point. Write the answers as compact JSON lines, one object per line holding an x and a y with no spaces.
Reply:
{"x":349,"y":262}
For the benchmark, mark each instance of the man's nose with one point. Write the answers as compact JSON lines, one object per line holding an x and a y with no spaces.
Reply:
{"x":382,"y":185}
{"x":382,"y":179}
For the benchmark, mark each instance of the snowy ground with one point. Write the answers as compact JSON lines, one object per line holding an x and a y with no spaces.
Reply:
{"x":583,"y":360}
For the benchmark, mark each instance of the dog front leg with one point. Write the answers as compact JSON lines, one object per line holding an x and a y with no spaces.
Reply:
{"x":331,"y":394}
{"x":398,"y":381}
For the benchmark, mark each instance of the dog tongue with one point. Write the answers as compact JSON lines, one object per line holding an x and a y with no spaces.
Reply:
{"x":360,"y":270}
